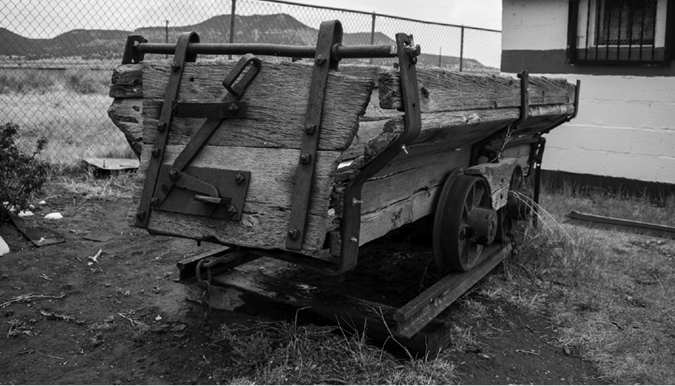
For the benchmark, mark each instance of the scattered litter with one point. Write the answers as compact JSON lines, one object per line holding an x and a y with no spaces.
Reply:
{"x":16,"y":327}
{"x":55,"y":316}
{"x":100,"y":236}
{"x":25,"y":298}
{"x":54,"y":216}
{"x":25,"y":213}
{"x":4,"y":248}
{"x":528,"y":352}
{"x":158,"y":318}
{"x":43,"y":202}
{"x":133,"y":322}
{"x":40,"y":236}
{"x":178,"y":328}
{"x":43,"y":276}
{"x":113,"y":163}
{"x":94,"y":259}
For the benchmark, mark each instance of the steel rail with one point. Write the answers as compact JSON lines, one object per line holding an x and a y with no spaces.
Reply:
{"x":340,"y":51}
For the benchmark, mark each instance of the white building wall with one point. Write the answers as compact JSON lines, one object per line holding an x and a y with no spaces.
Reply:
{"x":626,"y":124}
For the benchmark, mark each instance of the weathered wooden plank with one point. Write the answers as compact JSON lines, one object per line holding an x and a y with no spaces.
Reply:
{"x":127,"y":81}
{"x":448,"y":91}
{"x":127,"y":115}
{"x":267,"y":208}
{"x":407,"y":190}
{"x":234,"y":290}
{"x":277,"y":103}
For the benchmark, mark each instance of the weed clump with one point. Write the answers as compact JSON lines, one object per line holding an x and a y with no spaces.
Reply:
{"x":21,"y":174}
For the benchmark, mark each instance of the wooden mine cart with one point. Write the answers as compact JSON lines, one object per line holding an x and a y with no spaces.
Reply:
{"x":307,"y":161}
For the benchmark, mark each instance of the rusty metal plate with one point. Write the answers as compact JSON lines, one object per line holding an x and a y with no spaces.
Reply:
{"x":221,"y":110}
{"x":231,"y":184}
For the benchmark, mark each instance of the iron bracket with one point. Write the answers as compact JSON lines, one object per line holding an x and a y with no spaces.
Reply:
{"x":180,"y":58}
{"x":131,"y":54}
{"x":330,"y":36}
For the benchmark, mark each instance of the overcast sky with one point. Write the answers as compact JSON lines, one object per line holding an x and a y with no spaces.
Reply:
{"x":48,"y":18}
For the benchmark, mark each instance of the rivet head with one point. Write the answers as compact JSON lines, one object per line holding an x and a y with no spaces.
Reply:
{"x":293,"y":234}
{"x":175,"y":67}
{"x":174,"y":174}
{"x":305,"y":159}
{"x":320,"y":60}
{"x":161,"y":126}
{"x":310,"y":129}
{"x":233,"y":108}
{"x":154,"y":201}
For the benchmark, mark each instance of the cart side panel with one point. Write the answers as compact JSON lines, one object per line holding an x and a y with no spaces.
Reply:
{"x":266,"y":143}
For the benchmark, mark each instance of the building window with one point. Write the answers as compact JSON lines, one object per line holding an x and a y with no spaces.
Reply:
{"x":620,"y":32}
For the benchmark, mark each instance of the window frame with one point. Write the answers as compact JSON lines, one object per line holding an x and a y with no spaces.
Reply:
{"x":573,"y":49}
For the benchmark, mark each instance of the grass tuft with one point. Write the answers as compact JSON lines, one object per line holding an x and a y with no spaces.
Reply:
{"x":608,"y":293}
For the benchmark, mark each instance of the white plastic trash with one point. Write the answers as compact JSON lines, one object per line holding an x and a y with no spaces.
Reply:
{"x":25,"y":213}
{"x":4,"y":248}
{"x":53,"y":216}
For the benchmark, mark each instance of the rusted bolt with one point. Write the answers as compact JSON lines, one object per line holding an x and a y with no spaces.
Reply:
{"x":293,"y":234}
{"x":174,"y":174}
{"x":305,"y":159}
{"x":140,"y":215}
{"x":175,"y":67}
{"x":233,"y":109}
{"x":231,"y":211}
{"x":161,"y":126}
{"x":239,"y":178}
{"x":310,"y":129}
{"x":156,"y":152}
{"x":320,"y":60}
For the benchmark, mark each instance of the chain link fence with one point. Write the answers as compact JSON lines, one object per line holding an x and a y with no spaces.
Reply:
{"x":56,"y":58}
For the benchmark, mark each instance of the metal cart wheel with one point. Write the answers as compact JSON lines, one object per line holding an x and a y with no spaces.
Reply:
{"x":463,"y":224}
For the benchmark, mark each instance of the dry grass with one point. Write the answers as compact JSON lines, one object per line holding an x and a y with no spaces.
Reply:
{"x":609,"y":293}
{"x":289,"y":353}
{"x":69,"y":109}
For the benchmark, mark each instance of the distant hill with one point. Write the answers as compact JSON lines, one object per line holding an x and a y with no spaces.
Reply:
{"x":109,"y":44}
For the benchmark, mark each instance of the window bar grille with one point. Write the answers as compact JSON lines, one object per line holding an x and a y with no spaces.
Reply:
{"x":630,"y":32}
{"x":588,"y":28}
{"x":618,"y":33}
{"x":642,"y":33}
{"x":597,"y":30}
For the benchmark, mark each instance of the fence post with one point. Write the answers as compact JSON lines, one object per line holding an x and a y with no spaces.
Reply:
{"x":372,"y":33}
{"x":232,"y":13}
{"x":461,"y":50}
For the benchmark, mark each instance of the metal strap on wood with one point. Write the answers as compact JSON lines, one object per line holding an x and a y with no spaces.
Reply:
{"x":180,"y":58}
{"x":245,"y":71}
{"x":330,"y":35}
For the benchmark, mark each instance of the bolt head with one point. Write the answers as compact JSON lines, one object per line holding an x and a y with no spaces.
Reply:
{"x":175,"y":67}
{"x":156,"y":152}
{"x":310,"y":129}
{"x":320,"y":60}
{"x":140,"y":215}
{"x":231,"y":210}
{"x":161,"y":126}
{"x":293,"y":234}
{"x":233,"y":108}
{"x":174,"y":174}
{"x":239,"y":179}
{"x":305,"y":159}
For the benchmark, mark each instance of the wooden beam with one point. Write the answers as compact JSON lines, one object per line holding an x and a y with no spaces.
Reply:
{"x":276,"y":99}
{"x":450,"y":91}
{"x":236,"y":290}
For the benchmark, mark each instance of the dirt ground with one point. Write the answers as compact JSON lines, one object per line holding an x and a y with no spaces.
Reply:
{"x":125,"y":320}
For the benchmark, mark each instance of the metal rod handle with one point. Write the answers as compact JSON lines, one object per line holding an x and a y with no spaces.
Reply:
{"x":342,"y":52}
